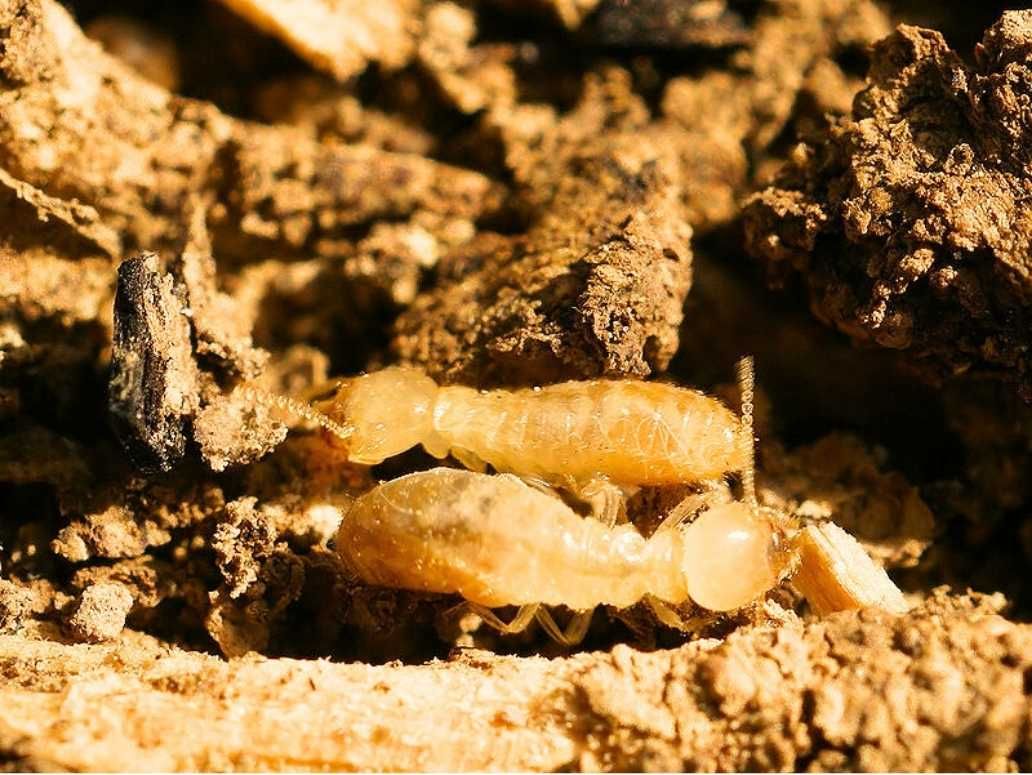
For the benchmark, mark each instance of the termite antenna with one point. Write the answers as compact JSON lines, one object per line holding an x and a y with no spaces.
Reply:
{"x":296,"y":408}
{"x":747,"y":387}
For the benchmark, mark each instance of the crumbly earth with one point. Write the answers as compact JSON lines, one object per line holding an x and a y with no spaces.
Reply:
{"x":907,"y":220}
{"x":204,"y":207}
{"x":838,"y":694}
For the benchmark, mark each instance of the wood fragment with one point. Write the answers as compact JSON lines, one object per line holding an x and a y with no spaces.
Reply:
{"x":339,"y":38}
{"x":153,"y":372}
{"x":836,"y":574}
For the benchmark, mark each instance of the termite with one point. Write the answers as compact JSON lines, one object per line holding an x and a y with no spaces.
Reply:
{"x":497,"y":541}
{"x":625,"y":432}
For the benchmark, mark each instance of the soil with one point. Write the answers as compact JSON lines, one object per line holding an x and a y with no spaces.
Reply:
{"x":202,"y":197}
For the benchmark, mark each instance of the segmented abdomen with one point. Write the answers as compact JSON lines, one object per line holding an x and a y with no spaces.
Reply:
{"x":631,"y":432}
{"x":495,"y":541}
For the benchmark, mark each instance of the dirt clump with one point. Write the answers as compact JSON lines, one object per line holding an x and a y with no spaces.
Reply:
{"x":15,"y":607}
{"x":100,"y":613}
{"x":838,"y":477}
{"x":503,"y":306}
{"x":904,"y":220}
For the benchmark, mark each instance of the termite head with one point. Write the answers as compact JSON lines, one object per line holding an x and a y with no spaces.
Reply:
{"x":736,"y":552}
{"x":733,"y":554}
{"x":386,"y":412}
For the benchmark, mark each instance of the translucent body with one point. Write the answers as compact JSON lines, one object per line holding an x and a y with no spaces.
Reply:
{"x":497,"y":541}
{"x":630,"y":432}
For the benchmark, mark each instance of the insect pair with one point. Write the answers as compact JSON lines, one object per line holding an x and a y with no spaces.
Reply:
{"x":507,"y":539}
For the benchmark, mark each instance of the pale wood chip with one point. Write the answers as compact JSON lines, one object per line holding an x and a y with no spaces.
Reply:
{"x":836,"y":574}
{"x":339,"y":37}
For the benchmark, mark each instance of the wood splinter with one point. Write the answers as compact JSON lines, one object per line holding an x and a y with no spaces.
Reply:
{"x":836,"y":574}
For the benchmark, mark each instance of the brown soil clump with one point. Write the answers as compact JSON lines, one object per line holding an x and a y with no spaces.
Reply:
{"x":100,"y":613}
{"x":539,"y":308}
{"x":906,"y":221}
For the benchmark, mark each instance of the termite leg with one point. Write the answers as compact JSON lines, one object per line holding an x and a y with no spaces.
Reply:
{"x":689,"y":505}
{"x":469,"y":460}
{"x":538,"y":484}
{"x":520,"y":622}
{"x":679,"y":513}
{"x":575,"y":630}
{"x":606,"y":499}
{"x":668,"y":616}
